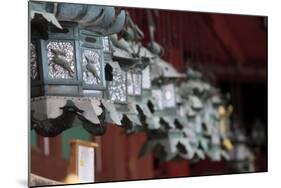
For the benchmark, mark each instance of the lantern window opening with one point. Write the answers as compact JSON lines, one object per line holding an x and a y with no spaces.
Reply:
{"x":117,"y":88}
{"x":169,"y":98}
{"x":134,"y":83}
{"x":146,"y":78}
{"x":61,"y":59}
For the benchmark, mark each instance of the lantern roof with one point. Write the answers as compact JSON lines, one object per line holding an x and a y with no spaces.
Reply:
{"x":38,"y":8}
{"x":122,"y":49}
{"x":130,"y":54}
{"x":100,"y":20}
{"x":196,"y":103}
{"x":128,"y":49}
{"x":193,"y":74}
{"x":163,"y":69}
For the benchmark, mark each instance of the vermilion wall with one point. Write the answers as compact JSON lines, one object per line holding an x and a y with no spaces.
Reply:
{"x":119,"y":157}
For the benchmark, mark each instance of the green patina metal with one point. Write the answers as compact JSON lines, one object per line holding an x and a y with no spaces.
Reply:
{"x":84,"y":75}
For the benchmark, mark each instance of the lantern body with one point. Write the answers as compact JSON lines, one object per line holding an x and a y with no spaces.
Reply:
{"x":58,"y":66}
{"x":69,"y":62}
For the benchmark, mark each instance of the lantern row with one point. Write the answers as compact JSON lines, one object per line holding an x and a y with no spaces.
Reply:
{"x":82,"y":73}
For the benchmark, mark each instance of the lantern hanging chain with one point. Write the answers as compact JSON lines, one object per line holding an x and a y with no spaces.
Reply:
{"x":55,"y":9}
{"x":137,"y":35}
{"x":152,"y":29}
{"x":151,"y":25}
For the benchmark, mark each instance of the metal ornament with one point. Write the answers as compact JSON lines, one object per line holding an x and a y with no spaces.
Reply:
{"x":61,"y":60}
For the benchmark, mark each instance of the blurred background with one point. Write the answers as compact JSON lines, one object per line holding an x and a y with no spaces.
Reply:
{"x":231,"y":50}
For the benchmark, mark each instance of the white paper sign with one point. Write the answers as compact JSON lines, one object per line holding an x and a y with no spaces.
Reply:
{"x":86,"y":170}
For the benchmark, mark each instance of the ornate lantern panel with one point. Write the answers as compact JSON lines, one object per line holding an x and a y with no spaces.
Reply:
{"x":117,"y":88}
{"x":146,"y":80}
{"x":134,"y":83}
{"x":92,"y":67}
{"x":158,"y":98}
{"x":61,"y":59}
{"x":164,"y":97}
{"x":169,"y":98}
{"x":92,"y":63}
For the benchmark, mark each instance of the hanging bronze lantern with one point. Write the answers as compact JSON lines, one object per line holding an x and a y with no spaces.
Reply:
{"x":68,"y":65}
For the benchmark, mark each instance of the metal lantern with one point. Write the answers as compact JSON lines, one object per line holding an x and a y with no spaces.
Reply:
{"x":139,"y":92}
{"x":192,"y":92}
{"x":131,"y":57}
{"x":204,"y":120}
{"x":72,"y":51}
{"x":163,"y":127}
{"x":68,"y":64}
{"x":164,"y":77}
{"x":56,"y":69}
